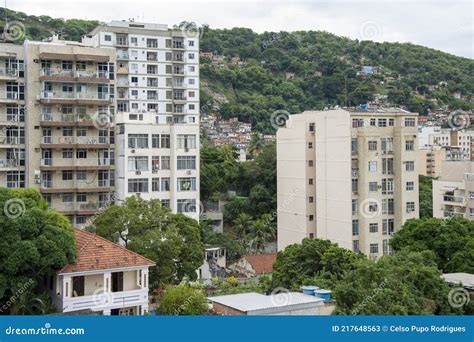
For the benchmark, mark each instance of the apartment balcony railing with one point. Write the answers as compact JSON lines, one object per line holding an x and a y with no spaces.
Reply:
{"x":75,"y":140}
{"x":447,"y":213}
{"x":47,"y":162}
{"x":9,"y":163}
{"x":454,"y":199}
{"x":10,"y":96}
{"x":178,"y":45}
{"x":47,"y":184}
{"x":13,"y":141}
{"x":66,"y":117}
{"x":57,"y":72}
{"x":122,"y":55}
{"x":11,"y":119}
{"x":86,"y":163}
{"x":61,"y":95}
{"x":8,"y":72}
{"x":122,"y":70}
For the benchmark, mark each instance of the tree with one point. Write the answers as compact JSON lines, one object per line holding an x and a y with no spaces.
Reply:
{"x":35,"y":242}
{"x":426,"y":196}
{"x":182,"y":300}
{"x":256,"y":144}
{"x":242,"y":225}
{"x":173,"y":241}
{"x":263,"y":231}
{"x":407,"y":283}
{"x":298,"y":263}
{"x":451,"y":241}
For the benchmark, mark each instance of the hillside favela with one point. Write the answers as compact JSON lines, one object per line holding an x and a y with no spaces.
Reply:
{"x":152,"y":167}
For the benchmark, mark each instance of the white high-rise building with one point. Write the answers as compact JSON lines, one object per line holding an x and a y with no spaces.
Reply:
{"x":157,"y":120}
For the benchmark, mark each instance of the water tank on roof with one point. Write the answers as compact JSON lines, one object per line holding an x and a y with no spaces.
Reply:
{"x":309,"y":290}
{"x":364,"y":106}
{"x":323,"y":294}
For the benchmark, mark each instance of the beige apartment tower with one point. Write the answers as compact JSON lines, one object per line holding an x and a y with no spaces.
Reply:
{"x":349,"y":176}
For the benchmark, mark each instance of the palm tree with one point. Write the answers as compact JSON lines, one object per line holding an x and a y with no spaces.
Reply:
{"x":242,"y":225}
{"x":256,"y":144}
{"x":263,"y":232}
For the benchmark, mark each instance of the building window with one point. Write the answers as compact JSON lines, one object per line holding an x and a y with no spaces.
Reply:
{"x":311,"y":127}
{"x":471,"y":195}
{"x":67,"y":175}
{"x":81,"y":175}
{"x":387,"y":166}
{"x":382,"y":122}
{"x":373,"y":186}
{"x":391,"y":122}
{"x":186,"y":206}
{"x":410,"y":207}
{"x":165,"y":203}
{"x":372,"y":122}
{"x":165,"y":141}
{"x":409,"y":145}
{"x":356,"y":123}
{"x":190,"y":42}
{"x":155,"y":184}
{"x":355,"y":185}
{"x":165,"y":184}
{"x":410,"y":166}
{"x":165,"y":162}
{"x":81,"y":219}
{"x":138,"y":163}
{"x":310,"y":199}
{"x":310,"y":145}
{"x":471,"y":212}
{"x":372,"y":146}
{"x":355,"y":227}
{"x":311,"y":217}
{"x":138,"y":141}
{"x":355,"y":246}
{"x":373,"y":207}
{"x":310,"y":181}
{"x":374,"y":248}
{"x":67,"y":198}
{"x":410,"y":186}
{"x":355,"y":206}
{"x":108,"y":38}
{"x":310,"y":163}
{"x":388,"y":227}
{"x":186,"y":162}
{"x":372,"y":166}
{"x":387,"y":186}
{"x":138,"y":185}
{"x":67,"y":153}
{"x":155,"y":141}
{"x":186,"y":141}
{"x":386,"y":145}
{"x":410,"y":122}
{"x":373,"y":227}
{"x":81,"y":197}
{"x":186,"y":184}
{"x":81,"y":154}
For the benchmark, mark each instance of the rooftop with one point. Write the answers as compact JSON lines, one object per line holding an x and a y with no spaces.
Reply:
{"x":256,"y":303}
{"x":96,"y":253}
{"x":467,"y":279}
{"x":261,"y":263}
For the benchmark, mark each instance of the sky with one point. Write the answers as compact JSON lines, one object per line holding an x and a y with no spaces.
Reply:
{"x":440,"y":24}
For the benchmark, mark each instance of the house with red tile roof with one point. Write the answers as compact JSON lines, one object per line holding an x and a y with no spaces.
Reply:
{"x":105,"y":278}
{"x":250,"y":266}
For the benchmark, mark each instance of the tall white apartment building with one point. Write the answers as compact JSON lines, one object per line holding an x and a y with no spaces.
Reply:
{"x":349,"y":176}
{"x":157,"y":120}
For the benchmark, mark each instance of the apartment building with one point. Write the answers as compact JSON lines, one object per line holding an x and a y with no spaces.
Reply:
{"x":453,"y":192}
{"x":462,"y":139}
{"x":157,"y":121}
{"x":70,"y":152}
{"x":348,"y":176}
{"x":430,"y":159}
{"x":12,"y":117}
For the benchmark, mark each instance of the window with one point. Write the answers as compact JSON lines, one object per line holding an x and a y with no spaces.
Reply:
{"x":191,"y":81}
{"x":355,"y":246}
{"x":310,"y":145}
{"x":311,"y":127}
{"x":355,"y":227}
{"x":471,"y":195}
{"x":138,"y":163}
{"x":191,"y":55}
{"x":186,"y":141}
{"x":138,"y":141}
{"x":67,"y":175}
{"x":373,"y":227}
{"x":108,"y":38}
{"x":373,"y":186}
{"x":138,"y":185}
{"x":186,"y":162}
{"x":186,"y":206}
{"x":165,"y":203}
{"x":310,"y":163}
{"x":410,"y":166}
{"x":81,"y":197}
{"x":410,"y":186}
{"x":81,"y":132}
{"x":192,"y":107}
{"x":409,"y":145}
{"x":374,"y":248}
{"x":388,"y":227}
{"x":165,"y":162}
{"x":355,"y":184}
{"x":81,"y":154}
{"x":387,"y":186}
{"x":382,"y":122}
{"x":152,"y":43}
{"x":410,"y":122}
{"x":165,"y":141}
{"x":67,"y":132}
{"x":310,"y":181}
{"x":67,"y":198}
{"x":186,"y":184}
{"x":356,"y":123}
{"x":78,"y":286}
{"x":387,"y":145}
{"x":310,"y":199}
{"x":373,"y":207}
{"x":372,"y":146}
{"x":355,"y":206}
{"x":385,"y":247}
{"x":190,"y":42}
{"x":388,"y":206}
{"x":311,"y":217}
{"x":387,"y":166}
{"x":372,"y":166}
{"x":391,"y":122}
{"x":410,"y":207}
{"x":155,"y":141}
{"x":155,"y":184}
{"x":372,"y":122}
{"x":165,"y":184}
{"x":81,"y":175}
{"x":354,"y":146}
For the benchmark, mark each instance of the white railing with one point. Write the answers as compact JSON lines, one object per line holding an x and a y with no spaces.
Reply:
{"x":72,"y":95}
{"x":76,"y":140}
{"x":8,"y":163}
{"x":56,"y":72}
{"x":9,"y":72}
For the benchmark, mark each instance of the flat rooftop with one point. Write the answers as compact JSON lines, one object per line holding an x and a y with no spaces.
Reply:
{"x":257,"y":303}
{"x":467,"y":279}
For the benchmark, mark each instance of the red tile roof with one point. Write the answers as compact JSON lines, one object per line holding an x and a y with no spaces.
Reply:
{"x":261,"y":263}
{"x":96,"y":253}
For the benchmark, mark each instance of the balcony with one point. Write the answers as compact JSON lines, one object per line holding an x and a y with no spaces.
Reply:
{"x":447,"y":213}
{"x":122,"y":55}
{"x":91,"y":185}
{"x":11,"y":119}
{"x":75,"y":142}
{"x":8,"y":73}
{"x":13,"y":141}
{"x":122,"y":70}
{"x":6,"y":164}
{"x":86,"y":164}
{"x":454,"y":200}
{"x":178,"y":45}
{"x":74,"y":97}
{"x":65,"y":120}
{"x":11,"y":97}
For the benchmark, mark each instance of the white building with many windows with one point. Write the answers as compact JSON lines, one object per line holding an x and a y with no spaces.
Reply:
{"x":157,"y":121}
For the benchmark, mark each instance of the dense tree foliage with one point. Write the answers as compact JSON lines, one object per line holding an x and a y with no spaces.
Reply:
{"x":35,"y":242}
{"x":452,"y":241}
{"x":401,"y":284}
{"x":426,"y":196}
{"x":173,"y":241}
{"x":182,"y":300}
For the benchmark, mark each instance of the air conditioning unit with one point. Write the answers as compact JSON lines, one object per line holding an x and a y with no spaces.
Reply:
{"x":138,"y":173}
{"x":132,"y":151}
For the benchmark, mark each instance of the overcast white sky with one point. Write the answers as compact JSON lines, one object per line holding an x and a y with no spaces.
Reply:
{"x":443,"y":25}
